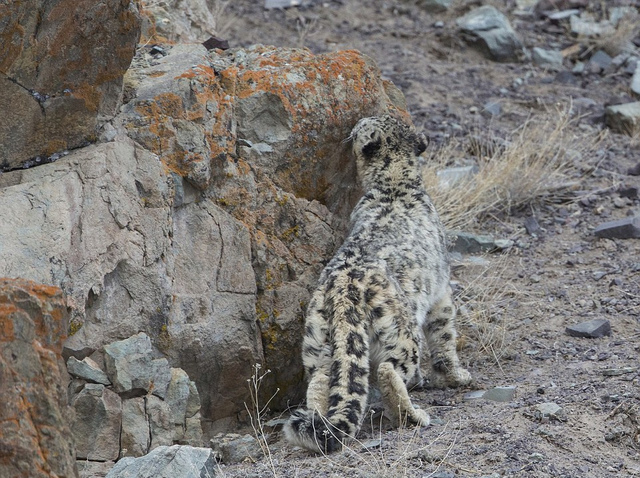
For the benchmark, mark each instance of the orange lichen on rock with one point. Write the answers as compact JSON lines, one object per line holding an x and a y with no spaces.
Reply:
{"x":35,"y":439}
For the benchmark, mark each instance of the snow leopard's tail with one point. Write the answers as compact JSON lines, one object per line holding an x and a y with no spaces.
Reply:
{"x":348,"y":377}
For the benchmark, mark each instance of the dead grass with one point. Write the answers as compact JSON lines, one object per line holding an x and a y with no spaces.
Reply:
{"x":619,"y":41}
{"x":536,"y":163}
{"x":483,"y":312}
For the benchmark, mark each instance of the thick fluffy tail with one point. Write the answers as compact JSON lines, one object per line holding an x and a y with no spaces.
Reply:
{"x":308,"y":429}
{"x":348,"y":375}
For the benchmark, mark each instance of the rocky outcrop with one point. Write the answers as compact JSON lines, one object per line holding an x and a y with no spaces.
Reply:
{"x":209,"y":230}
{"x":61,"y":70}
{"x":144,"y":404}
{"x":35,"y":440}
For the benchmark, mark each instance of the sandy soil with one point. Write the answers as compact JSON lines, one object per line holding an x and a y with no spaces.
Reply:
{"x":560,"y":276}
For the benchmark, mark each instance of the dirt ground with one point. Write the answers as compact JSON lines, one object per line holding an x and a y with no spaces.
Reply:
{"x":557,"y":276}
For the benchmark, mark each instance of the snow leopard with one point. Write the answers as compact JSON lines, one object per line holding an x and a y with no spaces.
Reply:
{"x":383,"y":296}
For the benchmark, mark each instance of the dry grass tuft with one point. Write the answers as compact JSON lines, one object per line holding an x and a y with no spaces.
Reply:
{"x":483,"y":312}
{"x":537,"y":162}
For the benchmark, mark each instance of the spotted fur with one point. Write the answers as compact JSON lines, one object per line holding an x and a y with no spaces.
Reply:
{"x":388,"y":280}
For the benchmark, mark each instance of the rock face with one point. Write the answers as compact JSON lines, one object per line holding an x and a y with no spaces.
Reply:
{"x":208,"y":232}
{"x":61,"y":70}
{"x":35,"y":439}
{"x":490,"y":31}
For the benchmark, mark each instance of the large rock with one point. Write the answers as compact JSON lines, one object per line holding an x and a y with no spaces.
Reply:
{"x":133,"y":370}
{"x":98,"y":415}
{"x":35,"y":439}
{"x":210,"y":231}
{"x":61,"y":69}
{"x":490,"y":31}
{"x":168,"y":462}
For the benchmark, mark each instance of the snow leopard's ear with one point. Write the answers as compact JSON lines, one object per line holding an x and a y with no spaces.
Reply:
{"x":372,"y":145}
{"x":420,"y":145}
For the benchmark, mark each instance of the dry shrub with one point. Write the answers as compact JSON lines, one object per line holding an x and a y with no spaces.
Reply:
{"x":619,"y":41}
{"x":538,"y":161}
{"x":483,"y":311}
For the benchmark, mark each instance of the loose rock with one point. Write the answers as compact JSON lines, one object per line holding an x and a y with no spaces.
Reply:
{"x":500,"y":394}
{"x":592,"y":329}
{"x":624,"y":118}
{"x":627,"y":228}
{"x":233,"y":448}
{"x":551,"y":59}
{"x":87,"y":370}
{"x":435,"y":6}
{"x":488,"y":29}
{"x":167,"y":461}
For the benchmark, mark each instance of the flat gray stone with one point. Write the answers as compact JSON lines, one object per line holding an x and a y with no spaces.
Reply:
{"x":548,"y":409}
{"x":551,"y":59}
{"x":88,"y":370}
{"x":562,"y":14}
{"x":489,"y":30}
{"x":627,"y":228}
{"x":435,"y":6}
{"x":269,"y":4}
{"x":592,"y":329}
{"x":168,"y":462}
{"x":586,"y":26}
{"x":624,"y":118}
{"x":500,"y":394}
{"x":468,"y":243}
{"x":451,"y":176}
{"x":475,"y":395}
{"x":599,"y":62}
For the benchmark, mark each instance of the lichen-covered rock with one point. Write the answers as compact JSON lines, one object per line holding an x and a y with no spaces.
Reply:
{"x":61,"y":69}
{"x":208,"y":233}
{"x":98,"y":416}
{"x":35,"y":439}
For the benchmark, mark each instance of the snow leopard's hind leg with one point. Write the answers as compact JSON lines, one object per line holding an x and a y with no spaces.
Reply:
{"x":440,"y":334}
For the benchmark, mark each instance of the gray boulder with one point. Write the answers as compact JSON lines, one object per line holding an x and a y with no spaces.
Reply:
{"x":132,"y":369}
{"x":96,"y":425}
{"x":489,"y":30}
{"x":168,"y":462}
